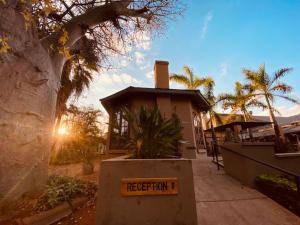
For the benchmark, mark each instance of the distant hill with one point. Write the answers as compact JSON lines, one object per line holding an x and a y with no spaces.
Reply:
{"x":280,"y":119}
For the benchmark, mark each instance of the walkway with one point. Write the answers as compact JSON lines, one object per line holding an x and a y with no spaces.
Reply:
{"x":221,"y":200}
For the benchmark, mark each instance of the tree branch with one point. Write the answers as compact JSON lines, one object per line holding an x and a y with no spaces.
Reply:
{"x":108,"y":12}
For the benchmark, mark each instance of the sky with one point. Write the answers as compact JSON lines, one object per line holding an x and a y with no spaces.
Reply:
{"x":217,"y":38}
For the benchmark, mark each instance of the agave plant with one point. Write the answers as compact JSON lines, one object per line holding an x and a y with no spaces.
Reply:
{"x":153,"y":136}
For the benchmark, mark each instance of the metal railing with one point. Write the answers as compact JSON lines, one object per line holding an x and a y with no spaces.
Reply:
{"x":295,"y":175}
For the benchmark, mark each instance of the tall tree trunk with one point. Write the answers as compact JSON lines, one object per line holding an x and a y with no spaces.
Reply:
{"x":279,"y":136}
{"x":249,"y":129}
{"x":29,"y":82}
{"x":28,"y":90}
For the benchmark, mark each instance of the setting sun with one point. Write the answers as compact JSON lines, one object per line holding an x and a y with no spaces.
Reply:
{"x":62,"y":131}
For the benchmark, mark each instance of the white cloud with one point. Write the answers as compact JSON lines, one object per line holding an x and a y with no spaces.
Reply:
{"x":224,"y":67}
{"x":285,"y":111}
{"x":104,"y":85}
{"x":139,"y":58}
{"x":124,"y":62}
{"x":208,"y":17}
{"x":123,"y":78}
{"x":150,"y":74}
{"x":143,"y":41}
{"x":289,"y":111}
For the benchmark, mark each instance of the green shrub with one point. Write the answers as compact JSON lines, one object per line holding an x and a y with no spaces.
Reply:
{"x":65,"y":155}
{"x":62,"y":188}
{"x":153,"y":136}
{"x":281,"y":189}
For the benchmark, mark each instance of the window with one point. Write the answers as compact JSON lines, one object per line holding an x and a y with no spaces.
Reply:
{"x":120,"y":129}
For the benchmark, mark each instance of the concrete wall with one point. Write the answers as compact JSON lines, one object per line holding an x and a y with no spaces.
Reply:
{"x":245,"y":170}
{"x":113,"y":208}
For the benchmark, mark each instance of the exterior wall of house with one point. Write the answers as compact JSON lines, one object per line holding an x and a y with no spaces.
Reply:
{"x":140,"y":101}
{"x":184,"y":110}
{"x":164,"y":106}
{"x":167,"y":105}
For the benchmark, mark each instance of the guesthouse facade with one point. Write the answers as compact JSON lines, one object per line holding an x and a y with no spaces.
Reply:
{"x":186,"y":104}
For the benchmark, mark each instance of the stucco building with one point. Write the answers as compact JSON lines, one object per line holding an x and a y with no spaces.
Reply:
{"x":186,"y":104}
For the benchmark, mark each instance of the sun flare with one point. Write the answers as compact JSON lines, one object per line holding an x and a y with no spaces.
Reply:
{"x":62,"y":131}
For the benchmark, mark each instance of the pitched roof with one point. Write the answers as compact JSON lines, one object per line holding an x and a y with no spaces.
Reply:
{"x":194,"y":95}
{"x":244,"y":125}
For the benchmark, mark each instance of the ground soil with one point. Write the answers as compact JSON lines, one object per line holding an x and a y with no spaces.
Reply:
{"x":84,"y":215}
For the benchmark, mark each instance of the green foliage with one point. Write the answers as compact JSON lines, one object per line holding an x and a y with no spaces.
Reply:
{"x":66,"y":154}
{"x":279,"y":180}
{"x":281,"y":189}
{"x":261,"y":84}
{"x":153,"y":136}
{"x":62,"y":188}
{"x":85,"y":131}
{"x":84,"y":139}
{"x":77,"y":74}
{"x":188,"y":79}
{"x":240,"y":101}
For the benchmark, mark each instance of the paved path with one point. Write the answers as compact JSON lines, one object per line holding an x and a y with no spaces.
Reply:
{"x":221,"y":200}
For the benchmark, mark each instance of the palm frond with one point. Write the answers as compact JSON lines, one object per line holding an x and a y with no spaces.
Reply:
{"x":288,"y":98}
{"x":280,"y":73}
{"x":256,"y":103}
{"x":188,"y":73}
{"x":198,"y":82}
{"x":209,"y":90}
{"x":282,"y":87}
{"x":181,"y":79}
{"x":249,"y":74}
{"x":276,"y":111}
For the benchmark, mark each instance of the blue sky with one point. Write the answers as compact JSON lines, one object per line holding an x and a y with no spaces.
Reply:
{"x":216,"y":38}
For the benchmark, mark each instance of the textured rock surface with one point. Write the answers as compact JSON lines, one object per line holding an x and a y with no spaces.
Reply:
{"x":28,"y":86}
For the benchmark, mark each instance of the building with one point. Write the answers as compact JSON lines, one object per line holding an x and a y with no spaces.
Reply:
{"x":186,"y":104}
{"x":261,"y":129}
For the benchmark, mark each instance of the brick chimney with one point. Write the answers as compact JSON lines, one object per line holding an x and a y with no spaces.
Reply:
{"x":161,"y":74}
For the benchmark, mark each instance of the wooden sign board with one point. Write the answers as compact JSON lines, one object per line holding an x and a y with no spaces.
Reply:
{"x":149,"y":186}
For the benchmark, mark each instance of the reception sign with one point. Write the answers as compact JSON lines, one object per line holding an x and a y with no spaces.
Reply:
{"x":149,"y":186}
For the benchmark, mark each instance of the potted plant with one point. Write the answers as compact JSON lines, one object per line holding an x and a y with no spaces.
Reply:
{"x":153,"y":136}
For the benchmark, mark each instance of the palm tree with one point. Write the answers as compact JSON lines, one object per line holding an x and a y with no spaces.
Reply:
{"x":240,"y":101}
{"x":77,"y":75}
{"x":188,"y":79}
{"x":208,"y":87}
{"x":214,"y":116}
{"x":192,"y":82}
{"x":261,"y":84}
